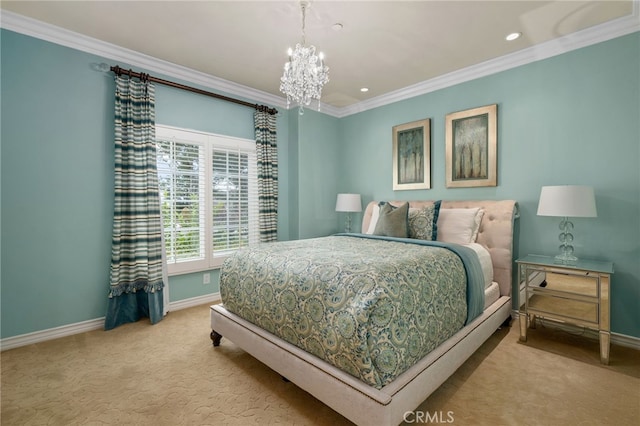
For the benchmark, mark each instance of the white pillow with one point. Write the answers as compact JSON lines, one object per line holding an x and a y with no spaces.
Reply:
{"x":375,"y":214}
{"x":485,"y":262}
{"x":459,"y":226}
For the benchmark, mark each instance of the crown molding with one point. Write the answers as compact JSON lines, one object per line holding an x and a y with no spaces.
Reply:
{"x":596,"y":34}
{"x":599,"y":33}
{"x":51,"y":33}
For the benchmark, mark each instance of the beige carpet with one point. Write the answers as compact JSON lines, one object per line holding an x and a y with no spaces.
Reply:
{"x":169,"y":374}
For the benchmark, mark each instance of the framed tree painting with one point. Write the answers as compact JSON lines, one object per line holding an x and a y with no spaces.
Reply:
{"x":412,"y":155}
{"x":471,"y":147}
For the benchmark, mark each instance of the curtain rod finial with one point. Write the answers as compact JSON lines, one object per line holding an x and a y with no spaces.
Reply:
{"x":102,"y":67}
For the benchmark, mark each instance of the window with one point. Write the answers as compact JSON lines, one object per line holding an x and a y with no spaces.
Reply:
{"x":208,"y":196}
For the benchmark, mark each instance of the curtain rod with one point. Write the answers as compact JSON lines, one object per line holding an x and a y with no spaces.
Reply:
{"x":146,"y":77}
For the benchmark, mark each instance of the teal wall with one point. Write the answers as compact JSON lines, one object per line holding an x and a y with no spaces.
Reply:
{"x":57,"y":181}
{"x":573,"y":118}
{"x":318,"y":166}
{"x":570,"y":119}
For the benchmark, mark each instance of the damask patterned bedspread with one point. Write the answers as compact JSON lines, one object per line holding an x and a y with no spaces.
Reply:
{"x":371,"y":306}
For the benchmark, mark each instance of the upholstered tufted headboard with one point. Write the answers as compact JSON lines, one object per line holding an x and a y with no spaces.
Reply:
{"x":496,"y":232}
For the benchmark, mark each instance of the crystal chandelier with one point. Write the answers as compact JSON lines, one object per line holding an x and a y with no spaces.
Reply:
{"x":305,"y":73}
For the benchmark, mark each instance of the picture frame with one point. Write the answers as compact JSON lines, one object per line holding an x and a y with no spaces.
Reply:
{"x":412,"y":155}
{"x":471,"y":139}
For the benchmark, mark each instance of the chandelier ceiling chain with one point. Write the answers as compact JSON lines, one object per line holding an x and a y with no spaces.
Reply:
{"x":305,"y":73}
{"x":303,"y":6}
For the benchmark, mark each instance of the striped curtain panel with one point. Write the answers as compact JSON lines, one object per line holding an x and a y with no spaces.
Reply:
{"x":267,"y":155}
{"x":136,"y":288}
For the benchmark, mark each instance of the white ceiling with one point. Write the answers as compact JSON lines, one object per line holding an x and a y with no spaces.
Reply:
{"x":383,"y":45}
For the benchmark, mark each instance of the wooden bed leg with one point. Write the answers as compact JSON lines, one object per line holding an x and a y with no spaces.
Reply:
{"x":216,"y":338}
{"x":506,"y":323}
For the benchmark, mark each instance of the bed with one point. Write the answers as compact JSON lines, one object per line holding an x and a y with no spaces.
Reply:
{"x":364,"y":372}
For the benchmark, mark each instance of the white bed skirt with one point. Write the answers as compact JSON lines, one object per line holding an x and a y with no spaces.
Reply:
{"x":357,"y":401}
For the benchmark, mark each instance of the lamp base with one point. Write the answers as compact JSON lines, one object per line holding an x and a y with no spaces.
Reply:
{"x":565,"y":259}
{"x":347,"y":225}
{"x":566,"y":256}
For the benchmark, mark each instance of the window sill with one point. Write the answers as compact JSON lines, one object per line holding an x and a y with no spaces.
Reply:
{"x":195,"y":267}
{"x":193,"y":271}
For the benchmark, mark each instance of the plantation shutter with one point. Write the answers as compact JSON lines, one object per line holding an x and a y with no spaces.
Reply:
{"x":182,"y":187}
{"x":235,"y":204}
{"x":209,"y":197}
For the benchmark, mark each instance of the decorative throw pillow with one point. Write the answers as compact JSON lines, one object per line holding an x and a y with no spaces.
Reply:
{"x":423,"y":222}
{"x":393,"y":221}
{"x":459,"y":226}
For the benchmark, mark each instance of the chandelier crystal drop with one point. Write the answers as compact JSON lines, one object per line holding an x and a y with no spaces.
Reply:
{"x":305,"y":73}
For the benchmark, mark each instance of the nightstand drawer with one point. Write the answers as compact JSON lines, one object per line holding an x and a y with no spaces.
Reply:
{"x":582,"y":311}
{"x":585,"y":285}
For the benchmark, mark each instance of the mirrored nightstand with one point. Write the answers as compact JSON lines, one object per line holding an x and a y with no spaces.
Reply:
{"x":577,"y":294}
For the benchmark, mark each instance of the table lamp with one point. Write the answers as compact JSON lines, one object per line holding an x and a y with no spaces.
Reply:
{"x":567,"y":201}
{"x":348,"y":203}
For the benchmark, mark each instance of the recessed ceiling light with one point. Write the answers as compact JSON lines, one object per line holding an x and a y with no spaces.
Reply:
{"x":513,"y":36}
{"x":364,"y":89}
{"x":337,"y":27}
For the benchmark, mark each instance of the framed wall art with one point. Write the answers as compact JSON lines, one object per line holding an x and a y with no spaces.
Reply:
{"x":471,"y":147}
{"x":412,"y":155}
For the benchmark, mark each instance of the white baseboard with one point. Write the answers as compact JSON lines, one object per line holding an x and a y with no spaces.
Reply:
{"x":98,"y":324}
{"x":625,"y":340}
{"x":91,"y":325}
{"x":51,"y":333}
{"x":194,"y":301}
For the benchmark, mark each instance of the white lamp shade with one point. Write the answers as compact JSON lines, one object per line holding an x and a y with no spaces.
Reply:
{"x":348,"y":203}
{"x":567,"y":201}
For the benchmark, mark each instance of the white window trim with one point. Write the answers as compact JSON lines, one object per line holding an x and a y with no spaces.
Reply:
{"x":208,"y":141}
